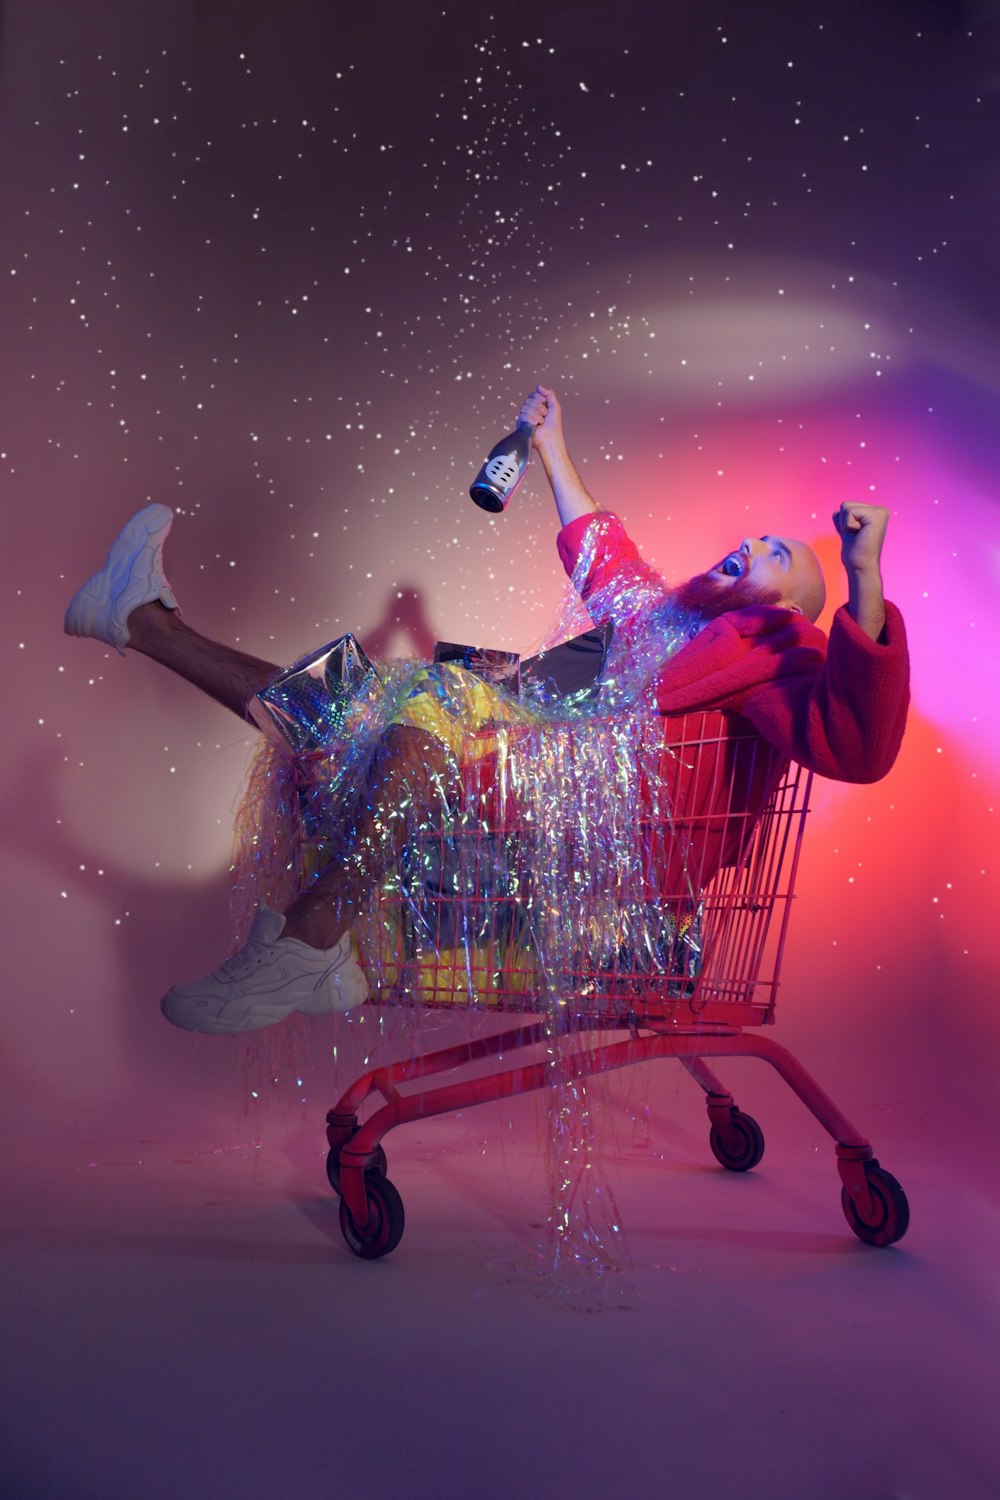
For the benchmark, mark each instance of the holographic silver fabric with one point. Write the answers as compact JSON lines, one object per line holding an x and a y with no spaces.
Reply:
{"x":309,"y":705}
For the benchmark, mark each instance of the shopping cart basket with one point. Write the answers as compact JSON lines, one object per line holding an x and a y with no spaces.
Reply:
{"x":452,"y":931}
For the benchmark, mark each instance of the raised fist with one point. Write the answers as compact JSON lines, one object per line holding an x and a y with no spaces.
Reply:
{"x":861,"y":529}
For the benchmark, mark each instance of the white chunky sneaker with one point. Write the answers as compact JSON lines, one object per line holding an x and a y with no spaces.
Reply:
{"x":132,"y":575}
{"x":266,"y":980}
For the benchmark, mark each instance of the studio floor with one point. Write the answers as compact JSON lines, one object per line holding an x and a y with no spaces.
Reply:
{"x":182,"y":1318}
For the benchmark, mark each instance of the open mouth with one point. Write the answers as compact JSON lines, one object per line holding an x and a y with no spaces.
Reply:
{"x":732,"y":566}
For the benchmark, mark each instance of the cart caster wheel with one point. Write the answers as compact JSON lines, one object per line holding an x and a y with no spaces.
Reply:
{"x":384,"y":1229}
{"x":890,"y":1215}
{"x":381,"y":1166}
{"x":740,"y":1145}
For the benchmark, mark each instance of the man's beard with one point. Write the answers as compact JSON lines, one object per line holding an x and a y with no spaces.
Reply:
{"x":704,"y":595}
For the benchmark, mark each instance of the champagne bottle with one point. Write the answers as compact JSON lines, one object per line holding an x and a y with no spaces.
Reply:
{"x":504,"y":469}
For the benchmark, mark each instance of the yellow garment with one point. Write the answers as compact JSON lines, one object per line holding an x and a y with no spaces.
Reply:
{"x":456,"y":706}
{"x":459,"y":709}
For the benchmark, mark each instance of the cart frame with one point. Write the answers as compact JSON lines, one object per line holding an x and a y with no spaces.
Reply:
{"x":744,"y":912}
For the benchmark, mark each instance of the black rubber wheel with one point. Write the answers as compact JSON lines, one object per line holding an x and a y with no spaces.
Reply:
{"x":890,"y":1216}
{"x":384,"y":1229}
{"x":740,"y":1146}
{"x":381,"y":1166}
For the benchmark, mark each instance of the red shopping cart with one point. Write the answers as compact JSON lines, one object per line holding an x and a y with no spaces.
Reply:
{"x":687,"y":980}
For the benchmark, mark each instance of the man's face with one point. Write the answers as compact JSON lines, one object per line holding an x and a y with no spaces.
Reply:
{"x":762,"y":570}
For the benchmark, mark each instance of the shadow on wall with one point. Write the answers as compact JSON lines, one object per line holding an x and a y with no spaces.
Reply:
{"x":405,"y":615}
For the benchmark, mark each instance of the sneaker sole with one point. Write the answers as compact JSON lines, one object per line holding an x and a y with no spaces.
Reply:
{"x":148,"y":526}
{"x":254,"y":1014}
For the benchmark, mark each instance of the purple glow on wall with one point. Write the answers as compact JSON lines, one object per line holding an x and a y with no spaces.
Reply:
{"x":291,"y":271}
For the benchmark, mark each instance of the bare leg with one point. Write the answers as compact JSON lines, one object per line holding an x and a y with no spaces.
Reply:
{"x":229,"y":676}
{"x":412,"y":775}
{"x":303,"y":961}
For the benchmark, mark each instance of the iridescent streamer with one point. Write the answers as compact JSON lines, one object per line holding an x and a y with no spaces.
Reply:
{"x":529,"y":883}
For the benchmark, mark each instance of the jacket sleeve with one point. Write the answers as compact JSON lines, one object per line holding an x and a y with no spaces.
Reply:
{"x":610,"y":574}
{"x":845,"y":721}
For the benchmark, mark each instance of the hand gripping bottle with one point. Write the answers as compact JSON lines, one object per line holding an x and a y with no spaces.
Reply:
{"x":504,"y":469}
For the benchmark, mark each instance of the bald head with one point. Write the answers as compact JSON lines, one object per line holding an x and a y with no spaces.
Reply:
{"x":805,"y":586}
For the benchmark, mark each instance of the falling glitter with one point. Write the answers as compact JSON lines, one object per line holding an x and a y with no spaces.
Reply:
{"x":249,"y":279}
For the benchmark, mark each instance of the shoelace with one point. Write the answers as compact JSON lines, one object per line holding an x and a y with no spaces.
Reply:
{"x":255,"y":953}
{"x":248,"y":958}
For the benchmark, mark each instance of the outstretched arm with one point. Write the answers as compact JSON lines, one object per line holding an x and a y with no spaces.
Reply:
{"x":543,"y":411}
{"x":861,"y":529}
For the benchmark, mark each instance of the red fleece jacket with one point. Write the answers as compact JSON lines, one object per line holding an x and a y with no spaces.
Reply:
{"x":836,"y":706}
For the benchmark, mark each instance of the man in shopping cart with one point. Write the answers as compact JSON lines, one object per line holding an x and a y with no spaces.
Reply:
{"x":836,"y":705}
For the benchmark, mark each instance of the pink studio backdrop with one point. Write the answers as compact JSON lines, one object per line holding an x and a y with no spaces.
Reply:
{"x":244,"y":276}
